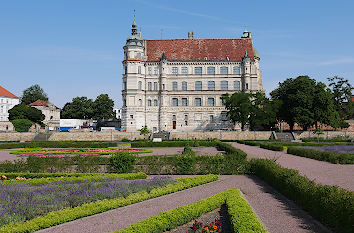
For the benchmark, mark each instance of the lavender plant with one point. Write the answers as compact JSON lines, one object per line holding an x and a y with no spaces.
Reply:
{"x":21,"y":202}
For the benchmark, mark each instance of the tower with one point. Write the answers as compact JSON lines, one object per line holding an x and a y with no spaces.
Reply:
{"x":133,"y":81}
{"x":246,"y":61}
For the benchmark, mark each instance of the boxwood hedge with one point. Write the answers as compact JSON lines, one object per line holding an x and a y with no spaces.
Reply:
{"x":331,"y":157}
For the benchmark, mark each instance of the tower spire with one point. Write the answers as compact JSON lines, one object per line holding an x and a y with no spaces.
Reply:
{"x":134,"y":26}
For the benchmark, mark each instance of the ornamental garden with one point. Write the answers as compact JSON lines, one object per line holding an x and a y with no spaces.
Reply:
{"x":47,"y":184}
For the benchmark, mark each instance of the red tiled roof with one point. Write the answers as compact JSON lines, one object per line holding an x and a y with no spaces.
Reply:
{"x":41,"y":103}
{"x":6,"y":93}
{"x":199,"y":49}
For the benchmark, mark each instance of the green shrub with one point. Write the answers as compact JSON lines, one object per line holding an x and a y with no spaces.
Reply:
{"x":331,"y":205}
{"x":185,"y":164}
{"x":58,"y":144}
{"x":194,"y":143}
{"x":125,"y":140}
{"x":22,"y":125}
{"x":69,"y":214}
{"x":331,"y":157}
{"x":272,"y":146}
{"x":315,"y":139}
{"x":122,"y":162}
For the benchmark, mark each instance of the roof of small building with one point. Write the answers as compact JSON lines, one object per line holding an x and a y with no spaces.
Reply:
{"x":200,"y":49}
{"x":6,"y":93}
{"x":42,"y":103}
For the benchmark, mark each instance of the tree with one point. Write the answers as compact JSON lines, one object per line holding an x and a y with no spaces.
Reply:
{"x":342,"y":93}
{"x":22,"y":125}
{"x":79,"y":108}
{"x":33,"y":93}
{"x":103,"y":107}
{"x":144,"y":131}
{"x":22,"y":111}
{"x":239,"y":107}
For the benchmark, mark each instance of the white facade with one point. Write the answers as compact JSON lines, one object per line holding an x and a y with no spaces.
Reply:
{"x":6,"y":103}
{"x":181,"y":95}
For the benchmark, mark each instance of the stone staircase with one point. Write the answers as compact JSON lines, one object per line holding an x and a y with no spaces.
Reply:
{"x":163,"y":135}
{"x":42,"y":137}
{"x":283,"y":136}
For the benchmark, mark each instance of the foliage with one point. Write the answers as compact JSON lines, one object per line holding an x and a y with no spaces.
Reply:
{"x":245,"y":220}
{"x":342,"y":158}
{"x":200,"y":227}
{"x":58,"y":144}
{"x":121,"y":162}
{"x":22,"y":125}
{"x":305,"y":102}
{"x":79,"y":108}
{"x":272,"y":146}
{"x":69,"y":214}
{"x":22,"y":111}
{"x":342,"y":93}
{"x":32,"y":94}
{"x":103,"y":107}
{"x":186,"y":162}
{"x":144,"y":131}
{"x":336,"y":139}
{"x":331,"y":205}
{"x":175,"y":143}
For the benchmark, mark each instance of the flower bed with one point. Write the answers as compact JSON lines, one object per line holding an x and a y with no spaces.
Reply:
{"x":70,"y":214}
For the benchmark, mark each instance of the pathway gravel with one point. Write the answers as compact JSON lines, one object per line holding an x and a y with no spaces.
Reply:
{"x":277,"y":213}
{"x":319,"y":171}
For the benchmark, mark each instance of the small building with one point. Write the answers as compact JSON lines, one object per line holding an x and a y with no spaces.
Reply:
{"x":67,"y":124}
{"x":51,"y":113}
{"x":7,"y":101}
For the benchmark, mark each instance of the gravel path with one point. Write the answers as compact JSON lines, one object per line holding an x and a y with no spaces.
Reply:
{"x":277,"y":213}
{"x":5,"y":155}
{"x":319,"y":171}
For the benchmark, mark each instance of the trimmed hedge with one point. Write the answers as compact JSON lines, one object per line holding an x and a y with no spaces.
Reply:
{"x":69,"y":214}
{"x":57,"y":144}
{"x":82,"y":151}
{"x":315,"y":139}
{"x":272,"y":146}
{"x":331,"y":157}
{"x":196,"y":143}
{"x":243,"y":219}
{"x":332,"y":205}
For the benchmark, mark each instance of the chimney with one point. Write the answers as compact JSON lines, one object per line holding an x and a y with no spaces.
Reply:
{"x":190,"y":35}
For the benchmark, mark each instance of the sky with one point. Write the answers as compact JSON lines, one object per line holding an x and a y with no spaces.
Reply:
{"x":75,"y":47}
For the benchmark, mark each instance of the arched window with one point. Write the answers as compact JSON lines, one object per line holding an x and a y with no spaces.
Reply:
{"x":155,"y":102}
{"x":149,"y":103}
{"x":174,"y":86}
{"x":140,"y":85}
{"x":140,"y":102}
{"x":184,"y":86}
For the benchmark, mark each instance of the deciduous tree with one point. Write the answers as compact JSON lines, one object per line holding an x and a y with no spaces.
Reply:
{"x":33,"y":93}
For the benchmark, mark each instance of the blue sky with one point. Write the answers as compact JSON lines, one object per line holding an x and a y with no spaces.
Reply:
{"x":74,"y":47}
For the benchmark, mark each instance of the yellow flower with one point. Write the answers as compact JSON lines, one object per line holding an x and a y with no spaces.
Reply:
{"x":215,"y":227}
{"x":206,"y":228}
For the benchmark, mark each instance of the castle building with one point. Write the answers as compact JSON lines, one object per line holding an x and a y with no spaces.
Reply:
{"x":51,"y":113}
{"x":176,"y":84}
{"x":7,"y":101}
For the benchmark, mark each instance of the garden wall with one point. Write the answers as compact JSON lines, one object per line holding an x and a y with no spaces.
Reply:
{"x":14,"y":136}
{"x":95,"y":136}
{"x":327,"y":134}
{"x":227,"y":135}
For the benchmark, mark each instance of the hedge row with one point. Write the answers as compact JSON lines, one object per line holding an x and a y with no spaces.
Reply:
{"x":83,"y":176}
{"x":196,"y":143}
{"x":31,"y":152}
{"x":331,"y":157}
{"x":272,"y":146}
{"x":331,"y":205}
{"x":57,"y":144}
{"x":243,"y":219}
{"x":69,"y":214}
{"x":315,"y":139}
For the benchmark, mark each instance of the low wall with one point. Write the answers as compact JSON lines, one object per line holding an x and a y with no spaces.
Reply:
{"x":232,"y":135}
{"x":327,"y":134}
{"x":14,"y":136}
{"x":95,"y":136}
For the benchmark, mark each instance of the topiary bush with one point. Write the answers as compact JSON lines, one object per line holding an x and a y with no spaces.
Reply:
{"x":22,"y":125}
{"x":121,"y":162}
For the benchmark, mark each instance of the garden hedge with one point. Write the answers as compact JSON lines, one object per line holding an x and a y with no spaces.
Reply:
{"x":58,"y":144}
{"x":272,"y":146}
{"x":315,"y":139}
{"x":332,"y":205}
{"x":331,"y":157}
{"x":69,"y":214}
{"x":195,"y":143}
{"x":243,"y":219}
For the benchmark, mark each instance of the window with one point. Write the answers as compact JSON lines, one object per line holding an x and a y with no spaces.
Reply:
{"x":154,"y":129}
{"x":224,"y":70}
{"x":125,"y":69}
{"x":184,"y":102}
{"x":149,"y":86}
{"x":236,"y":70}
{"x":139,"y":69}
{"x":211,"y":102}
{"x":163,"y":86}
{"x":184,"y":70}
{"x":174,"y":70}
{"x":246,"y":86}
{"x":156,"y":70}
{"x":198,"y":85}
{"x":198,"y":101}
{"x":155,"y":102}
{"x":224,"y":85}
{"x":131,"y":116}
{"x":211,"y":70}
{"x":174,"y":86}
{"x":140,"y":102}
{"x":149,"y":103}
{"x":140,"y":85}
{"x":237,"y":85}
{"x":155,"y":86}
{"x":186,"y":117}
{"x":223,"y":116}
{"x":124,"y":102}
{"x":174,"y":102}
{"x":149,"y":71}
{"x":184,"y":86}
{"x":186,"y":123}
{"x":125,"y":85}
{"x":198,"y":116}
{"x":211,"y":85}
{"x":174,"y":117}
{"x":138,"y":55}
{"x":198,"y":70}
{"x":211,"y":117}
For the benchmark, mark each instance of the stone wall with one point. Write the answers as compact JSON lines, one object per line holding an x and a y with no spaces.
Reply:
{"x":14,"y":136}
{"x":232,"y":135}
{"x":95,"y":136}
{"x":327,"y":134}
